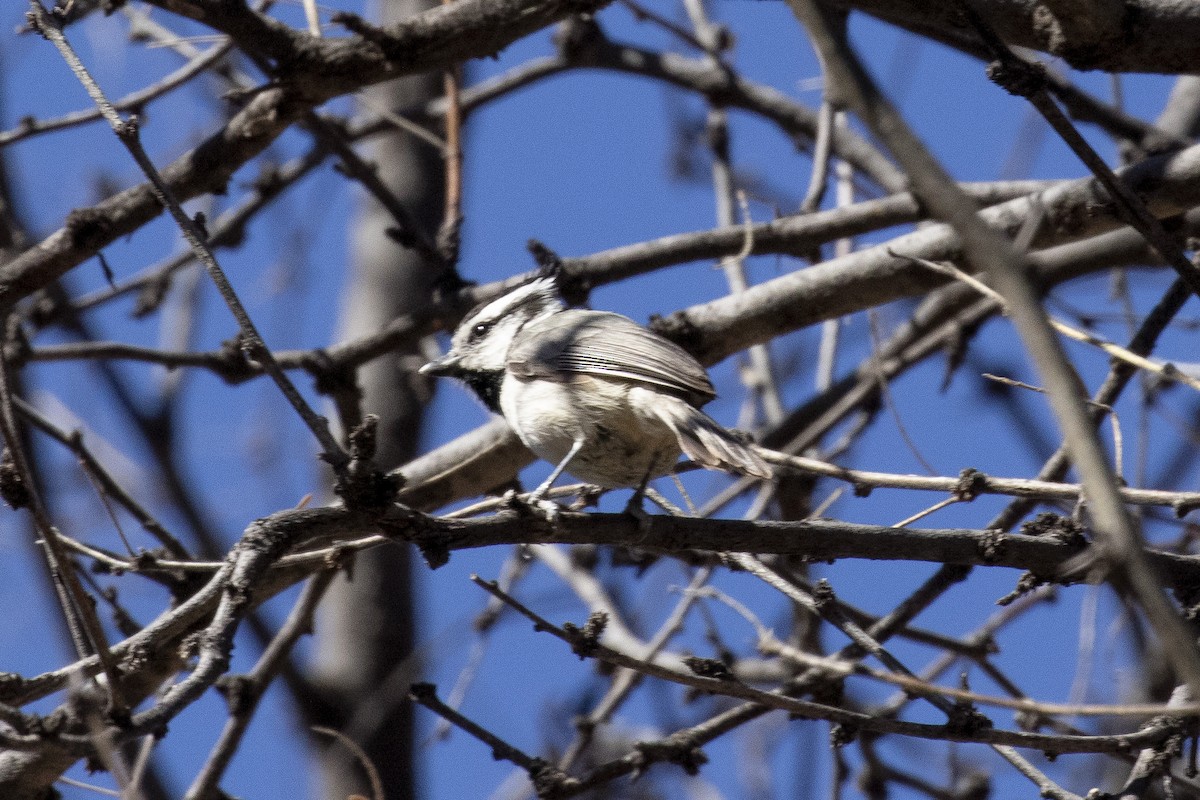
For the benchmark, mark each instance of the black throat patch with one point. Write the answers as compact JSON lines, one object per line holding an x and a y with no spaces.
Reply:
{"x":486,"y":384}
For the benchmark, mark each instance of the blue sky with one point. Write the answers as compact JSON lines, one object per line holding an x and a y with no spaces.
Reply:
{"x":580,"y":162}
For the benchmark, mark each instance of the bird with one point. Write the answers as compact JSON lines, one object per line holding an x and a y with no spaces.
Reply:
{"x":592,"y":392}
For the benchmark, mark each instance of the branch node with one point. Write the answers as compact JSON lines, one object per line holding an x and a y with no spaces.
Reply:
{"x":579,"y":39}
{"x":435,"y":552}
{"x":423,"y":692}
{"x":971,"y":482}
{"x":449,"y":239}
{"x":709,"y":668}
{"x":992,"y":545}
{"x":1017,"y":76}
{"x":151,"y":296}
{"x":842,"y":734}
{"x":329,"y":378}
{"x":12,"y":485}
{"x":965,"y":718}
{"x":548,"y":780}
{"x":89,"y":228}
{"x":235,"y":361}
{"x":585,"y":640}
{"x":127,"y":129}
{"x":1025,"y":584}
{"x":680,"y":329}
{"x":678,"y":748}
{"x":829,"y":690}
{"x":239,"y":692}
{"x":11,"y":685}
{"x":201,"y":222}
{"x":359,"y":26}
{"x":366,"y":487}
{"x":823,"y":596}
{"x":1058,"y":527}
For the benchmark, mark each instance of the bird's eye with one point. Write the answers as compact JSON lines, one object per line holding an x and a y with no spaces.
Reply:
{"x":480,"y":329}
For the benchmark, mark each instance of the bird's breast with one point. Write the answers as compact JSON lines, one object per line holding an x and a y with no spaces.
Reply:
{"x":620,"y":445}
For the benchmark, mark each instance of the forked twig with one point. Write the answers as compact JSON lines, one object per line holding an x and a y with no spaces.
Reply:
{"x":252,"y":341}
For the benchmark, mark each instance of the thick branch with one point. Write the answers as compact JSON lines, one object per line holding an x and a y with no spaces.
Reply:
{"x":716,"y":330}
{"x":1148,"y":36}
{"x":434,"y":40}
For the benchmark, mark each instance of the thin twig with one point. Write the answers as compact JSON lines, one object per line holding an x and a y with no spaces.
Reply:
{"x":131,"y":102}
{"x":246,"y":692}
{"x":760,"y":376}
{"x":1121,"y":547}
{"x":310,"y":16}
{"x":1164,"y":371}
{"x":938,"y":506}
{"x":1046,"y":787}
{"x":626,"y":680}
{"x":107,"y":485}
{"x":252,"y":341}
{"x":403,"y":123}
{"x":911,"y":684}
{"x":1110,"y":412}
{"x":362,"y":757}
{"x":822,"y":149}
{"x":426,"y":695}
{"x":972,"y":482}
{"x":683,"y":34}
{"x":831,"y":328}
{"x":778,"y":700}
{"x":449,"y":232}
{"x":77,"y":605}
{"x":1015,"y":74}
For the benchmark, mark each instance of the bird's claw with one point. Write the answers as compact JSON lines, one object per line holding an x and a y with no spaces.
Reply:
{"x":587,"y":496}
{"x":532,"y":505}
{"x":634,"y":509}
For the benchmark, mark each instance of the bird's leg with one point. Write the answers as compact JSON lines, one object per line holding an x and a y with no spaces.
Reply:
{"x":540,"y":492}
{"x":634,"y":507}
{"x":534,"y":502}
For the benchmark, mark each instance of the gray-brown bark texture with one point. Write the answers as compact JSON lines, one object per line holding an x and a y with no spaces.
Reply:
{"x":368,"y":623}
{"x":975,"y":396}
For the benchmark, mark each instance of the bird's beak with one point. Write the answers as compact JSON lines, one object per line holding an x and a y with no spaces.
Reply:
{"x":445,"y":367}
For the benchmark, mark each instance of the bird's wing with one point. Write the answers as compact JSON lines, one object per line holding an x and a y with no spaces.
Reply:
{"x":604,"y":344}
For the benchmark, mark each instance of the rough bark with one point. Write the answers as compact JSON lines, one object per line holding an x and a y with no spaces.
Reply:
{"x":1142,"y":36}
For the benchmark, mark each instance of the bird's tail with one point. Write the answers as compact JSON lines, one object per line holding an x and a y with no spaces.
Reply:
{"x":705,"y":441}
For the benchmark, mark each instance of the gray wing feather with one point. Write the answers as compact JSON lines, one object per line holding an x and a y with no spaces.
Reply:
{"x":604,"y":344}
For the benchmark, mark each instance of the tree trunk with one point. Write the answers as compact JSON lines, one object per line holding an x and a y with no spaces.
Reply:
{"x":366,"y":629}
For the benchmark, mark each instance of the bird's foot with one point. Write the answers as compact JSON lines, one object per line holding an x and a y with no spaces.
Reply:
{"x":587,"y":496}
{"x":634,"y":509}
{"x":533,"y":505}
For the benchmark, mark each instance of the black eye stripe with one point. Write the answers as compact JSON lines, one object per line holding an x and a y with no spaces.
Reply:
{"x":521,"y":306}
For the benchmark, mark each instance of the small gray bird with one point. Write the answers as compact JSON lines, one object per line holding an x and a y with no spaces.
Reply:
{"x":589,"y":391}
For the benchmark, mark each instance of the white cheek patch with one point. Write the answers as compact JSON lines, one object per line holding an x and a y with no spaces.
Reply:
{"x":506,"y":315}
{"x":493,"y":350}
